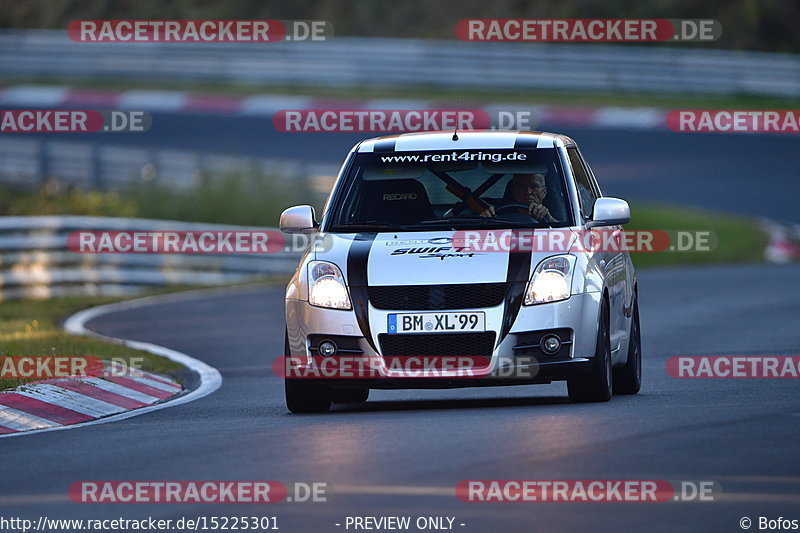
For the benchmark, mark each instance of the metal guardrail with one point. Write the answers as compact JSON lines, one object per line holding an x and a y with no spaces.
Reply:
{"x":35,"y":261}
{"x":382,"y":62}
{"x":30,"y":162}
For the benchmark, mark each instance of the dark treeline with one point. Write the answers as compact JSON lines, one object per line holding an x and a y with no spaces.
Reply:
{"x":770,"y":25}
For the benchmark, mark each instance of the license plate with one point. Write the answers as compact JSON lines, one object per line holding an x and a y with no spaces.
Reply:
{"x":436,"y":322}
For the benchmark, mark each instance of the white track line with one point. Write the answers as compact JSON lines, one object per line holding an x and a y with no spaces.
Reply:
{"x":21,"y":421}
{"x":112,"y":387}
{"x":210,"y":378}
{"x":153,"y":384}
{"x":85,"y":405}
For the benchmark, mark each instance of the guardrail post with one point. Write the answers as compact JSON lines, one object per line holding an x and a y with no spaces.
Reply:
{"x":96,"y":179}
{"x":43,"y":168}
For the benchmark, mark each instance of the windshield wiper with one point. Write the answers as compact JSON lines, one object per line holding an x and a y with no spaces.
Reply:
{"x":370,"y":225}
{"x":475,"y":218}
{"x":500,"y":220}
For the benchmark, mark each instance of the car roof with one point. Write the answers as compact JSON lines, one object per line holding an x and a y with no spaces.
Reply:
{"x":466,"y":140}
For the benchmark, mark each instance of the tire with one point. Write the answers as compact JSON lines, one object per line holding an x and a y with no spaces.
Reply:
{"x":305,"y":397}
{"x":350,"y":395}
{"x":596,"y":386}
{"x":628,"y":378}
{"x":302,"y":396}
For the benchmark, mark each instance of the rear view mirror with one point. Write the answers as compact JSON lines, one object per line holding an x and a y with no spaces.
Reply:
{"x":298,"y":219}
{"x":610,"y":212}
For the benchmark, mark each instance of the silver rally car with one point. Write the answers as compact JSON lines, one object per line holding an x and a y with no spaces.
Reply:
{"x":468,"y":248}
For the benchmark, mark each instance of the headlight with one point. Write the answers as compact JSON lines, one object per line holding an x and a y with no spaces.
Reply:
{"x":326,"y":286}
{"x":551,"y":281}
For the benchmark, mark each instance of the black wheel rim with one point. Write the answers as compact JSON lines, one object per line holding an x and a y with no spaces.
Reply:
{"x":637,"y":345}
{"x":607,"y":349}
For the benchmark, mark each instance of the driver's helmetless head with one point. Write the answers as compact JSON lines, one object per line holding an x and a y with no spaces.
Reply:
{"x":529,"y":188}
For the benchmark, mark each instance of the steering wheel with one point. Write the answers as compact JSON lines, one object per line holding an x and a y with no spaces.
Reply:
{"x":512,"y":207}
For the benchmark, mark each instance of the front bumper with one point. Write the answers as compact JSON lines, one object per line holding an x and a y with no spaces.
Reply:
{"x":507,"y":365}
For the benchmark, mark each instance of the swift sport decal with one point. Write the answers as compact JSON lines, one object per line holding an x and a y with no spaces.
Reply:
{"x":430,"y":258}
{"x":443,"y":256}
{"x":438,"y":252}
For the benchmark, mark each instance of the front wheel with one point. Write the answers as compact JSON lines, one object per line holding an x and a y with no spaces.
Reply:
{"x":303,"y":396}
{"x":350,"y":395}
{"x":628,"y":378}
{"x":596,"y":386}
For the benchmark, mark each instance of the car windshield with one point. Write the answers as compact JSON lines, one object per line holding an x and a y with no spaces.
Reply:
{"x":463,"y":189}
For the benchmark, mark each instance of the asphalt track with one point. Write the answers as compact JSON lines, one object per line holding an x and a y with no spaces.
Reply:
{"x":404,"y":451}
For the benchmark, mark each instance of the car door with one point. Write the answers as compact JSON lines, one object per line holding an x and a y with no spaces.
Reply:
{"x":611,"y":262}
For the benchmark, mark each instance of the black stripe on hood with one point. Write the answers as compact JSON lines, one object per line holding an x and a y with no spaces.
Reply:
{"x":526,"y":141}
{"x":385,"y":145}
{"x":519,"y":266}
{"x":357,"y":260}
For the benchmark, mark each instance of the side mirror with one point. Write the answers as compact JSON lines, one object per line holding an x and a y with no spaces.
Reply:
{"x":298,"y":219}
{"x":610,"y":212}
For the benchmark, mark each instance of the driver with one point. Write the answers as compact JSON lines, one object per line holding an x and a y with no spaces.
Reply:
{"x":528,"y":189}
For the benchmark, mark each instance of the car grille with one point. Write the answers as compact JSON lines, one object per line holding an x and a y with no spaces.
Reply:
{"x":437,"y":297}
{"x":437,"y":344}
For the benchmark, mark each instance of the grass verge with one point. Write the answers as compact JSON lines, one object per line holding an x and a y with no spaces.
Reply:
{"x":735,"y":239}
{"x":251,"y":199}
{"x":32,"y":328}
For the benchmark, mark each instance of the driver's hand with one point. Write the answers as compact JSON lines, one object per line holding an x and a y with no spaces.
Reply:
{"x":539,"y":212}
{"x":488,"y":212}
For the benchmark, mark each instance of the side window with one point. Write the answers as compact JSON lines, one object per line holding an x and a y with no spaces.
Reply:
{"x":586,"y":192}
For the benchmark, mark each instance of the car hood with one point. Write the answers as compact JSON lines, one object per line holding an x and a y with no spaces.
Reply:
{"x":420,"y":258}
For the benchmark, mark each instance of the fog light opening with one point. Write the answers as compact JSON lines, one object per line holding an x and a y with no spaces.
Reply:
{"x":550,"y":344}
{"x":327,"y":348}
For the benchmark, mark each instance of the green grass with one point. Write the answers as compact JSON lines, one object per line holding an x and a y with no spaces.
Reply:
{"x":467,"y":96}
{"x":229,"y":199}
{"x":235,"y":198}
{"x":32,"y":328}
{"x":735,"y":239}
